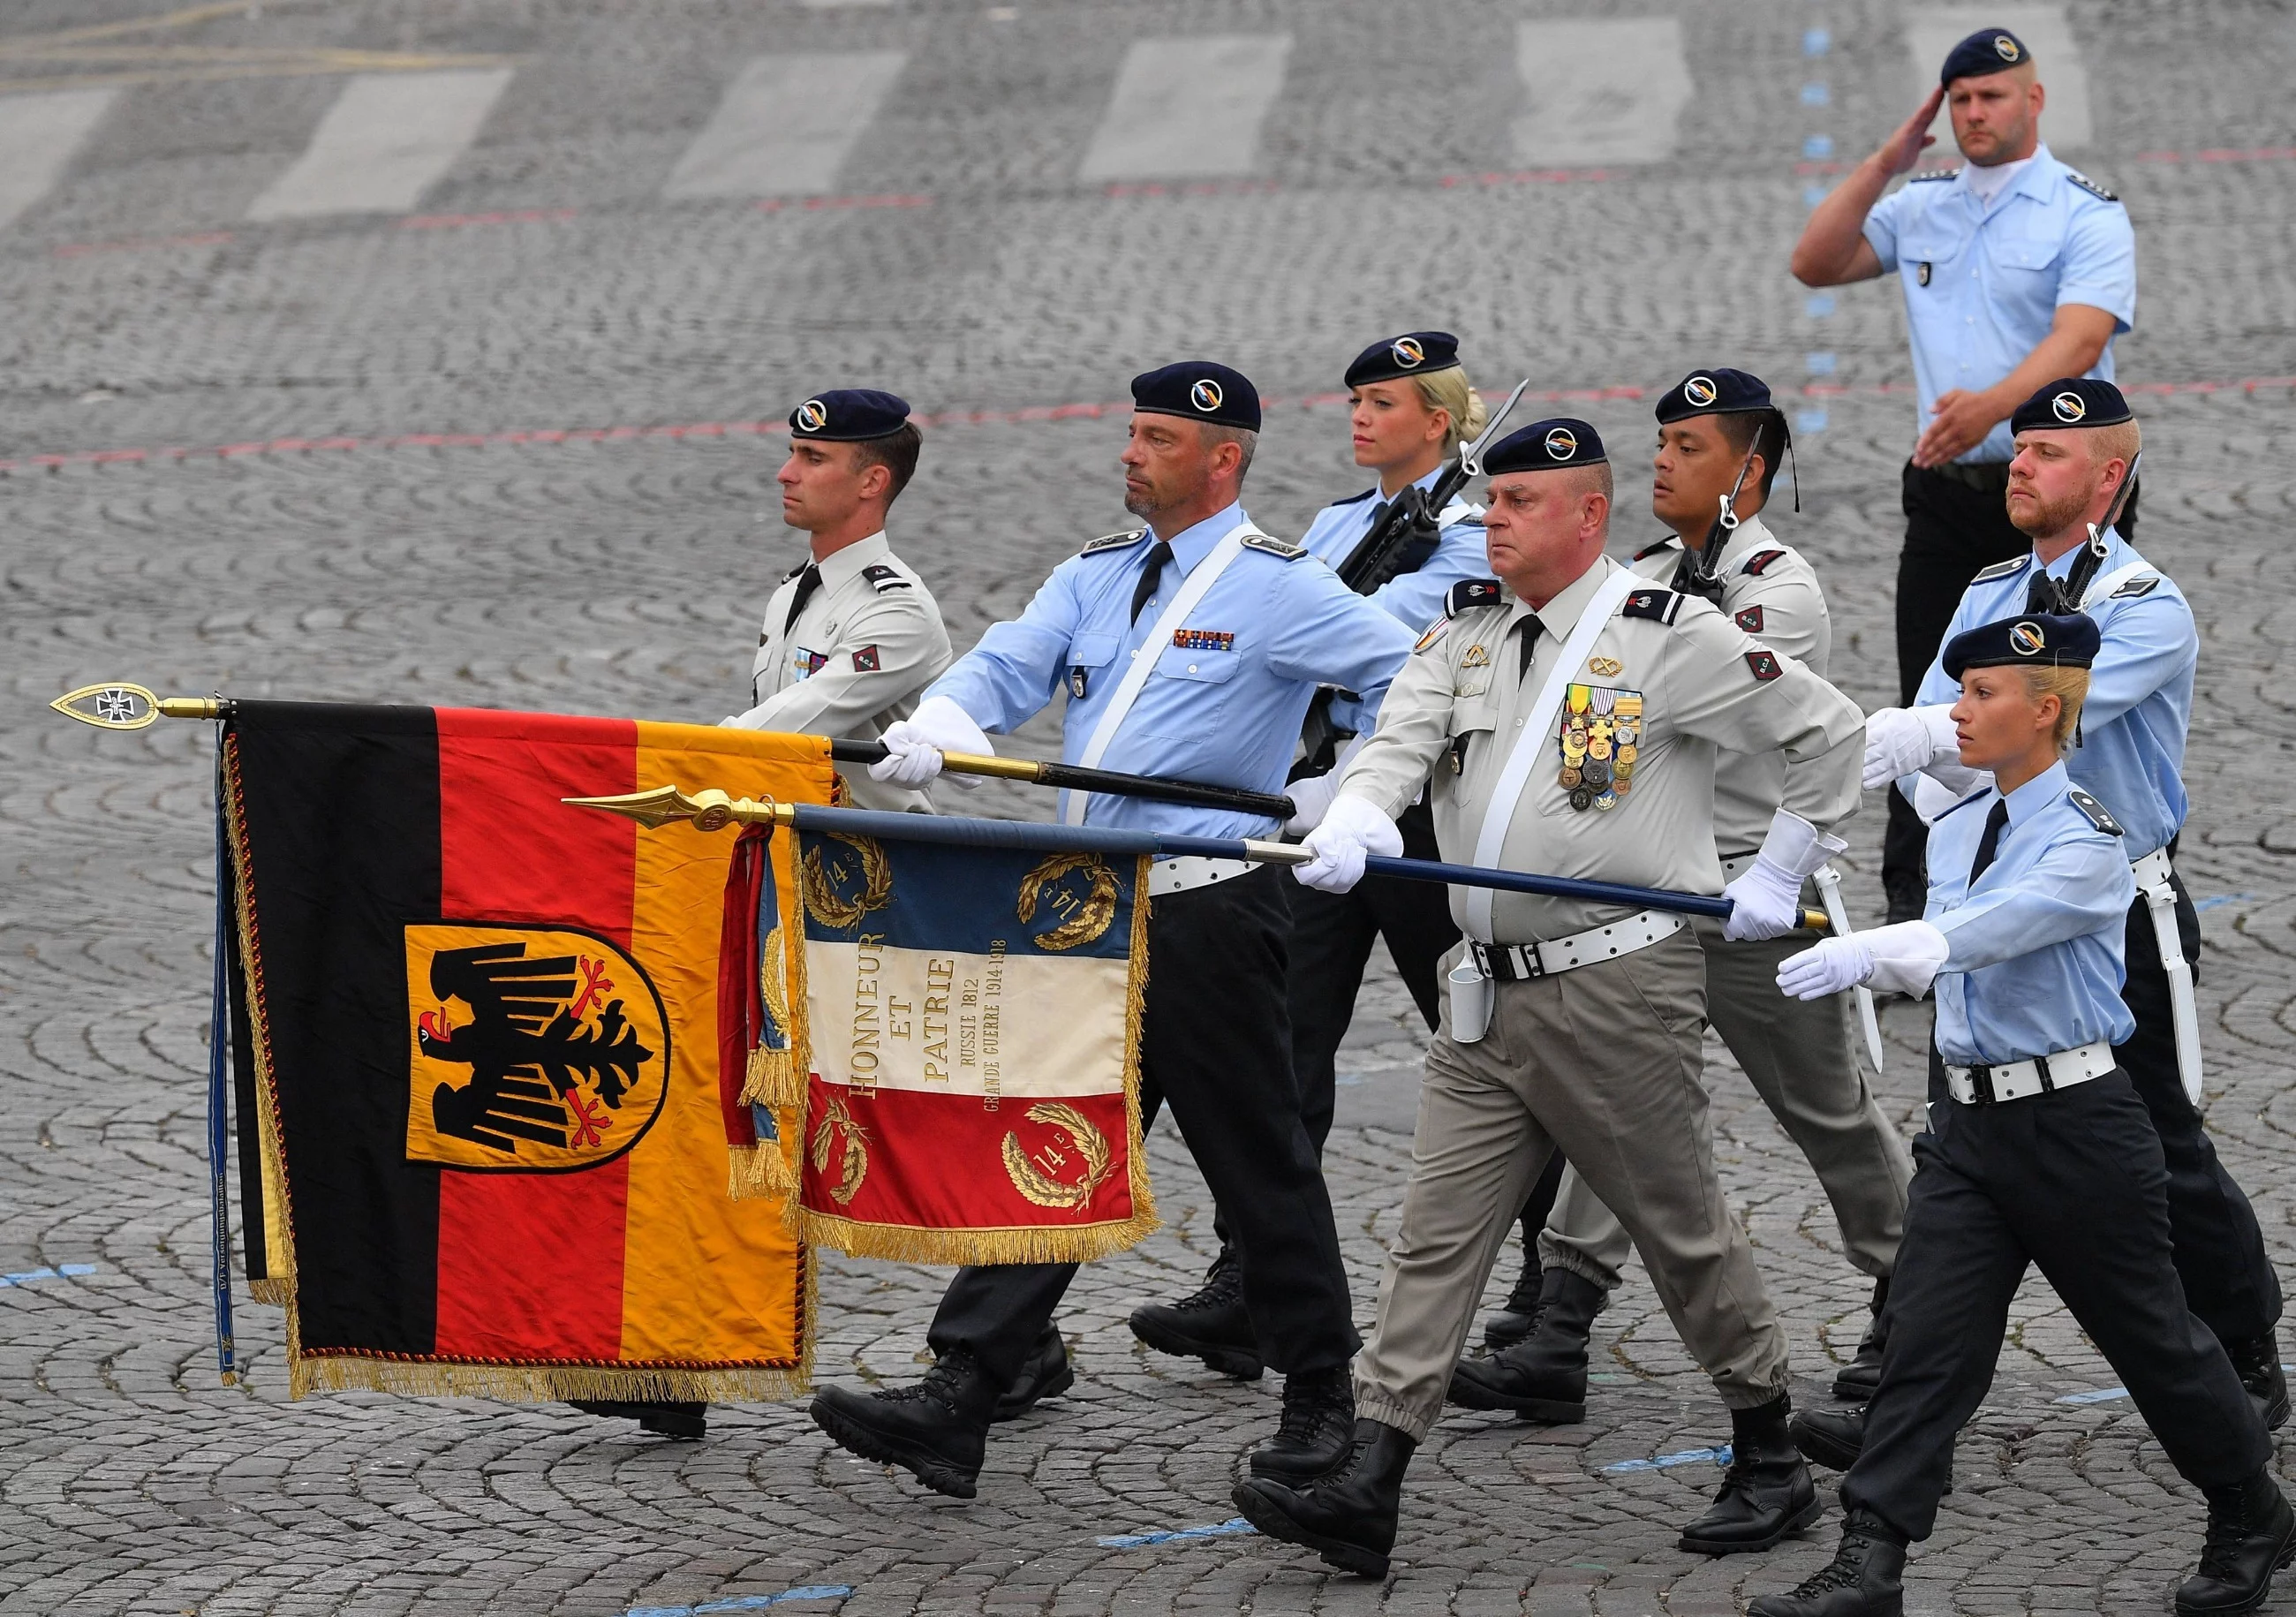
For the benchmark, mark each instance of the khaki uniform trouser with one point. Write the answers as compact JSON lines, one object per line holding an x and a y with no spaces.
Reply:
{"x":1603,"y":1063}
{"x":1801,"y":1057}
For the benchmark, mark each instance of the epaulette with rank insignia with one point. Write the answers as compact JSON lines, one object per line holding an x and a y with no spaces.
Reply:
{"x":1468,"y":594}
{"x":2097,"y":814}
{"x":1658,"y":605}
{"x":2144,"y":586}
{"x":793,"y":571}
{"x":2001,"y":570}
{"x":2090,"y":185}
{"x":1652,"y":549}
{"x":1357,"y":499}
{"x":1274,"y":547}
{"x":1113,"y":541}
{"x":884,"y":577}
{"x":1934,"y":174}
{"x":1759,"y":560}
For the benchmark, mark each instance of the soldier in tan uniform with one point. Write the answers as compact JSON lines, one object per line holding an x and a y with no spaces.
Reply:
{"x":1569,"y":719}
{"x":852,"y":636}
{"x":1720,"y":435}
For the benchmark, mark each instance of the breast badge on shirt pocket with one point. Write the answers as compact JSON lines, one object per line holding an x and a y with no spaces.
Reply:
{"x":1474,"y":676}
{"x":1601,"y":742}
{"x":1089,"y":654}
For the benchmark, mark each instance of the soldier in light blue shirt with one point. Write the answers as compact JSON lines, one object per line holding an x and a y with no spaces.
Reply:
{"x":2014,"y":269}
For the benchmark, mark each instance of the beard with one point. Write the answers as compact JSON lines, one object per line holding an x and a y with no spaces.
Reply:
{"x":2045,"y":517}
{"x":1140,"y":502}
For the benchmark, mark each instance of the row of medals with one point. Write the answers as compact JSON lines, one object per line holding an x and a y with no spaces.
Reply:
{"x":1601,"y":732}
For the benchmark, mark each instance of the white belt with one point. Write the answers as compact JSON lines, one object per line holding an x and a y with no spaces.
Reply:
{"x":2152,"y":870}
{"x":1180,"y":875}
{"x":1520,"y":961}
{"x":2014,"y":1080}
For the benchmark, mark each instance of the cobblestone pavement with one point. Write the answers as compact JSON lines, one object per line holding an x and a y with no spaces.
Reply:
{"x":399,"y":517}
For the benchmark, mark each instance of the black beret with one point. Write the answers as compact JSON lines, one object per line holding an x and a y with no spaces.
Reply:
{"x":2073,"y":401}
{"x":1200,"y":390}
{"x":2039,"y":640}
{"x":1989,"y":50}
{"x":845,"y":415}
{"x":1546,"y":445}
{"x":1412,"y":354}
{"x":1716,"y":392}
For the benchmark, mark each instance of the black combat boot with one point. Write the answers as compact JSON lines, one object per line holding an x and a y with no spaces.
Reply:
{"x":938,"y":1429}
{"x":1213,"y":1325}
{"x":1835,"y":1438}
{"x":2251,"y":1535}
{"x":689,"y":1421}
{"x":2257,"y":1361}
{"x":1347,"y":1517}
{"x":1863,"y":1579}
{"x":1519,"y":1316}
{"x":1542,"y":1378}
{"x":1047,"y":1374}
{"x":1765,"y":1493}
{"x":1857,"y":1381}
{"x":1318,"y":1429}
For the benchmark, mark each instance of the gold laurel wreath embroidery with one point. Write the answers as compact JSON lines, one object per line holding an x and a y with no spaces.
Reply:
{"x":1092,"y":919}
{"x":824,"y":902}
{"x":1041,"y":1187}
{"x":837,"y":1124}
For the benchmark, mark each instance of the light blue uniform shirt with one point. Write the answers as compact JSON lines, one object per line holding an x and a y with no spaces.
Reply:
{"x":2131,"y":756}
{"x":1983,"y":285}
{"x":1219,"y":709}
{"x":2036,"y":964}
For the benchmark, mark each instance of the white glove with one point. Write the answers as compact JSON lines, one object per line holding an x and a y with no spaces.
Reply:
{"x":1311,"y":796}
{"x":1900,"y":741}
{"x":914,"y":745}
{"x":1906,"y":957}
{"x":1768,"y":894}
{"x":1830,"y":966}
{"x":1352,"y":827}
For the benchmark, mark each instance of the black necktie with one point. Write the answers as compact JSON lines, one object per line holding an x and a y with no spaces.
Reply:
{"x":807,"y":582}
{"x":1988,"y":840}
{"x":1531,"y":627}
{"x":1158,"y":554}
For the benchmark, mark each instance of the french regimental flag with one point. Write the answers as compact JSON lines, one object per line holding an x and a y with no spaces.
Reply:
{"x":483,"y":1111}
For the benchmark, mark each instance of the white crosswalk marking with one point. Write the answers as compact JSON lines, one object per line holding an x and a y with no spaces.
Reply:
{"x":1603,"y":91}
{"x":38,"y":135}
{"x":1188,"y":107}
{"x":1934,"y":29}
{"x":388,"y":138}
{"x":786,"y":124}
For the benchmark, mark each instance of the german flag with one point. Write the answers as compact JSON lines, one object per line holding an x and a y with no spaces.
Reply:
{"x":478,"y":1056}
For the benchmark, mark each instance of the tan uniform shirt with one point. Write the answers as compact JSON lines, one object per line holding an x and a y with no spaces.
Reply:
{"x":1772,"y":593}
{"x":857,"y":658}
{"x":1462,"y":699}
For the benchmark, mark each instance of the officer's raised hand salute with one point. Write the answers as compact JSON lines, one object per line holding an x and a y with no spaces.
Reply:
{"x":2040,"y":1151}
{"x":1569,"y":713}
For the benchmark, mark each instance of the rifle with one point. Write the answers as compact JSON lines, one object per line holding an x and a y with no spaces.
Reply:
{"x":1401,"y":541}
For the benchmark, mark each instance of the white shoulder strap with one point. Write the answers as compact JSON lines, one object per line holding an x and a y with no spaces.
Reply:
{"x":2100,"y":588}
{"x":1538,"y":732}
{"x":1183,"y":600}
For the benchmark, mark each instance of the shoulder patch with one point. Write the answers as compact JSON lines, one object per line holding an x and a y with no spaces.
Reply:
{"x":2002,"y":570}
{"x":1764,"y":664}
{"x":1758,"y":561}
{"x":1652,"y":549}
{"x":1750,"y":619}
{"x":1658,"y":605}
{"x":2098,"y":816}
{"x":1357,"y":499}
{"x":1113,"y":541}
{"x":1934,"y":174}
{"x":2144,"y":586}
{"x":2090,"y":185}
{"x":1435,"y":631}
{"x":1468,"y":594}
{"x":884,"y":577}
{"x":1274,"y":547}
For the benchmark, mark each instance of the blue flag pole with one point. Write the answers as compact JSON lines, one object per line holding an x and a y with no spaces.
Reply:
{"x":219,"y":1091}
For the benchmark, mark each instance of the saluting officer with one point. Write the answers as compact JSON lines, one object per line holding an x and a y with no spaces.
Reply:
{"x":2077,"y":444}
{"x":1720,"y":438}
{"x":1189,"y":647}
{"x":2014,"y":269}
{"x":2040,"y":1153}
{"x":1569,"y":719}
{"x":1411,"y":406}
{"x":852,"y":636}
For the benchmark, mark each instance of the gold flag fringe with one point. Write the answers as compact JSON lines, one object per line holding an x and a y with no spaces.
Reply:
{"x":777,"y":1078}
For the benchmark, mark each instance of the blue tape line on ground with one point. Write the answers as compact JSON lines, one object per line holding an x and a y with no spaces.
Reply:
{"x":1217,"y":1529}
{"x":747,"y":1603}
{"x":2103,"y":1395}
{"x":62,"y":1271}
{"x":2225,"y":897}
{"x":1666,"y":1462}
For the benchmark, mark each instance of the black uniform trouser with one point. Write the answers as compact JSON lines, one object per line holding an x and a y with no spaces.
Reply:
{"x":2074,"y":1181}
{"x":1216,"y":1042}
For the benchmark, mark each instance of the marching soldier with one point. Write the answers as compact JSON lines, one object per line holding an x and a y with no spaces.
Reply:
{"x":2041,"y":1151}
{"x":2077,"y":444}
{"x":1568,"y":717}
{"x":1412,"y":407}
{"x":852,"y":635}
{"x":1720,"y":441}
{"x":1188,"y":647}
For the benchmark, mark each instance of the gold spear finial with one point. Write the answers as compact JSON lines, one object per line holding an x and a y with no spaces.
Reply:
{"x":119,"y":705}
{"x":708,"y":809}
